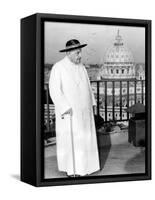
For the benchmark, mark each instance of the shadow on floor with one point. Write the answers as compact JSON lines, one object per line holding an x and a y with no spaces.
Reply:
{"x":16,"y":176}
{"x":104,"y":146}
{"x":137,"y":163}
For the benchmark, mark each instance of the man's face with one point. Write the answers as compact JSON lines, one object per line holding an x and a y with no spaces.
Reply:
{"x":75,"y":56}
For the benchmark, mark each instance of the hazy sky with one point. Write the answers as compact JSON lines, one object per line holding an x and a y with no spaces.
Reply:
{"x":98,"y":37}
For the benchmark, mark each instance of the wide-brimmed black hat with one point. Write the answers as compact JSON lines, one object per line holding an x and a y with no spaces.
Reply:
{"x":72,"y":44}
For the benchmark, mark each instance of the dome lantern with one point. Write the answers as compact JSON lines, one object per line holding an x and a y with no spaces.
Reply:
{"x":118,"y":39}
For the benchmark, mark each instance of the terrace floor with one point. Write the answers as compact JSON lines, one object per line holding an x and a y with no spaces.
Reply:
{"x":117,"y":156}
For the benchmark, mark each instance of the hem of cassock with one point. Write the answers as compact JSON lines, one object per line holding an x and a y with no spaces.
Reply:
{"x":73,"y":176}
{"x":79,"y":175}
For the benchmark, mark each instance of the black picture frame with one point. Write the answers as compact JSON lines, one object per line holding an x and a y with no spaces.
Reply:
{"x":32,"y":79}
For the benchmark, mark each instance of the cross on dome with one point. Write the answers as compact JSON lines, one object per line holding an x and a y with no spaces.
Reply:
{"x":118,"y":39}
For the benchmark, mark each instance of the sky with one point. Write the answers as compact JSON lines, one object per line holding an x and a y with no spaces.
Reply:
{"x":98,"y":37}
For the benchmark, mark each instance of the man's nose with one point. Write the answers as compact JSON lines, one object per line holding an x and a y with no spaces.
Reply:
{"x":80,"y":55}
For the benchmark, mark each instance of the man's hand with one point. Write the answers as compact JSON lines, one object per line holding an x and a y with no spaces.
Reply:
{"x":68,"y":112}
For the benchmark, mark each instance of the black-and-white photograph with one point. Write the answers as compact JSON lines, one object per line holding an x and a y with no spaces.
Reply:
{"x":94,"y":100}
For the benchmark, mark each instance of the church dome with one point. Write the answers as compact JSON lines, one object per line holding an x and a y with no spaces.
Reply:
{"x":119,"y":54}
{"x":118,"y":61}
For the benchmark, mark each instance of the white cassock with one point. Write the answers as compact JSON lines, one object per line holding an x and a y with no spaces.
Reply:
{"x":70,"y":88}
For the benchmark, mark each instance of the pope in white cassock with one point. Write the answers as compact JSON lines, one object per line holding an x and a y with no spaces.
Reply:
{"x":77,"y":151}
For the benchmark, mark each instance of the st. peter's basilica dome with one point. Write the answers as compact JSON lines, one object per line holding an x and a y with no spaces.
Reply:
{"x":118,"y":61}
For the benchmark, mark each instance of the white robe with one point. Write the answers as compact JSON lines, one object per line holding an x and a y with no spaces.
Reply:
{"x":70,"y":88}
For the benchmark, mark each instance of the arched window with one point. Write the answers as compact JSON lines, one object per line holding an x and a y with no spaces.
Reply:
{"x":128,"y":71}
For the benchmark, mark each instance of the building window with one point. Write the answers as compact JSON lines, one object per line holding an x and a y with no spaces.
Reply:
{"x":122,"y":71}
{"x":112,"y":71}
{"x":124,"y":90}
{"x":117,"y":71}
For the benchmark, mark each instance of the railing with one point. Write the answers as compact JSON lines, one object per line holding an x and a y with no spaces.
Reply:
{"x":49,"y":112}
{"x":113,"y":97}
{"x":112,"y":90}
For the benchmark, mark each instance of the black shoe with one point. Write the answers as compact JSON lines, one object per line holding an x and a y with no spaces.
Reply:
{"x":73,"y":176}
